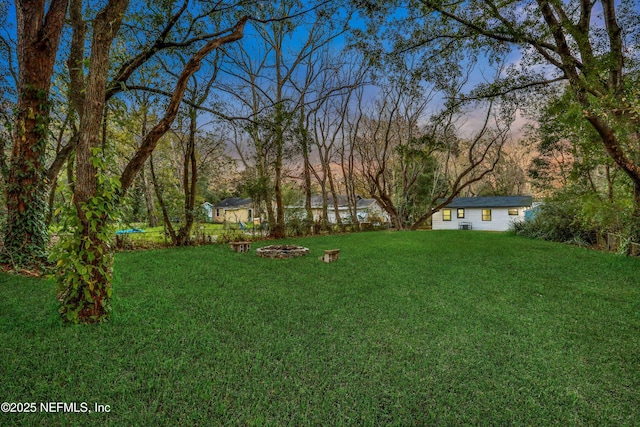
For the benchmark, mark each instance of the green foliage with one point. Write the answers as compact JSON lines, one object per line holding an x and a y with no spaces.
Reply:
{"x":579,"y":217}
{"x":428,"y":182}
{"x":298,"y":224}
{"x":605,"y":216}
{"x":133,"y":207}
{"x":231,"y":234}
{"x":569,"y":148}
{"x":25,"y":231}
{"x":583,"y":181}
{"x":558,"y":220}
{"x":84,"y":255}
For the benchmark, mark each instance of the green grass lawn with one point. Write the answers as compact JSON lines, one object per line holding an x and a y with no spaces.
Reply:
{"x":407,"y":328}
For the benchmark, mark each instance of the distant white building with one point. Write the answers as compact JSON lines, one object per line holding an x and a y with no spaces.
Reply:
{"x":366,"y":209}
{"x":481,"y":213}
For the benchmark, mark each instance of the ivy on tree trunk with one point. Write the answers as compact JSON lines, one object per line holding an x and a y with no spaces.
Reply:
{"x":85,"y":278}
{"x":39,"y":29}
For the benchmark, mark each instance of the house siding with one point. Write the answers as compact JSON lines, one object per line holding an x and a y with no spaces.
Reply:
{"x":232,"y":215}
{"x":364,"y":212}
{"x":500,"y":219}
{"x":233,"y":210}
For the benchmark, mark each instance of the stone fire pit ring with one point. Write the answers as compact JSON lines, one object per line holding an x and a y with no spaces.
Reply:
{"x":282,"y":251}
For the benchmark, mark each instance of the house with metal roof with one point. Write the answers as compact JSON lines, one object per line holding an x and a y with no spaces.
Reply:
{"x":482,"y":213}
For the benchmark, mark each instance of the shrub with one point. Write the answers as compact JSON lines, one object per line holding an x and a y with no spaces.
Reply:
{"x":558,"y":220}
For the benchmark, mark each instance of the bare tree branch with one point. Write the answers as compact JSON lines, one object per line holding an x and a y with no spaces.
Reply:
{"x":151,"y":139}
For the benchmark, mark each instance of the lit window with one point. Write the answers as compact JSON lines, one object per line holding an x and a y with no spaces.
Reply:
{"x":461,"y":213}
{"x":446,"y":214}
{"x":486,"y":214}
{"x":513,"y":211}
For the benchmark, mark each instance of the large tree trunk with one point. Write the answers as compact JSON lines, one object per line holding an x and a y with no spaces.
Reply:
{"x":26,"y":235}
{"x":387,"y":204}
{"x":86,"y":293}
{"x":630,"y":166}
{"x":90,"y":302}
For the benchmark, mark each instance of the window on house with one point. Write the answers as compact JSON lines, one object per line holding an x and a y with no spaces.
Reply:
{"x":446,"y":214}
{"x":250,"y":213}
{"x":217,"y":212}
{"x":486,"y":214}
{"x":461,"y":213}
{"x":513,"y":211}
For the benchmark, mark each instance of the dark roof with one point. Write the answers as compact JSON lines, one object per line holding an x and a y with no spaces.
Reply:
{"x":234,"y":202}
{"x":365,"y":203}
{"x":491,"y":202}
{"x":316,"y":201}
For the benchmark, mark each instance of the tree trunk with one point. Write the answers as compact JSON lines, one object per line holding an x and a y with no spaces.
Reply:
{"x":189,"y":183}
{"x":163,"y":207}
{"x":86,"y":293}
{"x":350,"y":187}
{"x":324,"y":218}
{"x":336,"y":202}
{"x":90,"y":302}
{"x":279,"y":231}
{"x":26,"y":234}
{"x":152,"y":217}
{"x":634,"y":226}
{"x":51,"y":202}
{"x":628,"y":165}
{"x":307,"y":169}
{"x":387,"y":204}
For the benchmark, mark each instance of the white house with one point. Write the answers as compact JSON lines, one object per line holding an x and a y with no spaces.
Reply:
{"x":366,"y":209}
{"x":481,"y":213}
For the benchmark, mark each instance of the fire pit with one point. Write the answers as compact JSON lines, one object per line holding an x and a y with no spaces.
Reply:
{"x":282,"y":251}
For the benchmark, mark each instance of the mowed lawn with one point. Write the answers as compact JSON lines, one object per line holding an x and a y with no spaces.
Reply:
{"x":407,"y":328}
